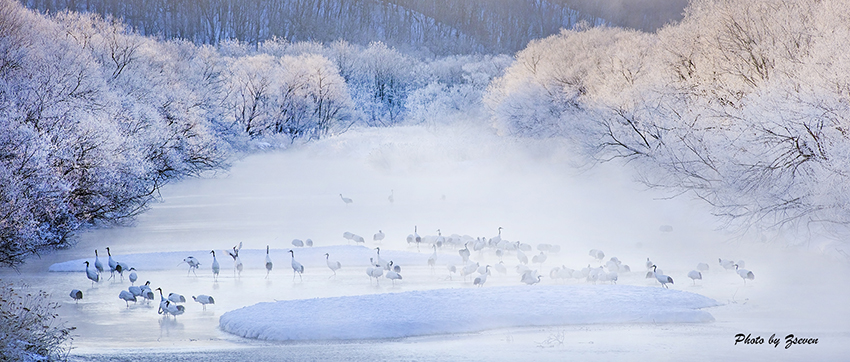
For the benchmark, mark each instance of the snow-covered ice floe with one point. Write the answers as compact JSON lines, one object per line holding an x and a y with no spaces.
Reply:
{"x":465,"y":310}
{"x":348,"y":255}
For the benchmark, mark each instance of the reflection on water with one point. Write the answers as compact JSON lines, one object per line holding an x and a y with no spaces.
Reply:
{"x":168,"y":325}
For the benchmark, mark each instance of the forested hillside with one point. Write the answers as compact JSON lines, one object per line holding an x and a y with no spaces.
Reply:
{"x":440,"y":26}
{"x":95,"y":118}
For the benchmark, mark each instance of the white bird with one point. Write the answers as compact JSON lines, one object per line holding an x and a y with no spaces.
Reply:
{"x":269,"y":263}
{"x":501,"y":268}
{"x":239,"y":265}
{"x":479,"y":244}
{"x":741,"y":263}
{"x":565,"y":273}
{"x":416,"y":237}
{"x":452,"y":269}
{"x":127,"y":297}
{"x":469,"y":269}
{"x":432,"y":260}
{"x":374,"y":271}
{"x":594,"y":274}
{"x":133,"y":276}
{"x":297,"y":242}
{"x":608,"y":277}
{"x":649,"y":264}
{"x":522,"y":269}
{"x":112,"y":263}
{"x":554,"y":272}
{"x":694,"y":275}
{"x":726,"y":264}
{"x":483,"y":269}
{"x":176,"y":298}
{"x":162,"y":303}
{"x":174,"y":309}
{"x":496,"y":239}
{"x":76,"y":294}
{"x":544,"y":247}
{"x":395,"y":267}
{"x":663,"y":279}
{"x":215,"y":266}
{"x":97,"y":264}
{"x":309,"y":242}
{"x":539,"y":258}
{"x":92,"y":274}
{"x":391,"y":198}
{"x":120,"y":268}
{"x":481,"y":279}
{"x":440,"y":240}
{"x":381,"y":262}
{"x":597,"y":254}
{"x":348,"y":235}
{"x":296,"y":267}
{"x":379,"y":236}
{"x":136,"y":290}
{"x":702,"y":267}
{"x":744,"y":274}
{"x":193,"y":264}
{"x":204,"y":300}
{"x":530,"y":278}
{"x":345,"y":199}
{"x":393,"y":275}
{"x":147,"y":293}
{"x":520,"y":255}
{"x":146,"y":287}
{"x":333,"y":265}
{"x":464,"y":253}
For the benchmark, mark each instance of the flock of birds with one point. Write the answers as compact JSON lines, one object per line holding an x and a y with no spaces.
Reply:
{"x":606,"y":271}
{"x":167,"y":306}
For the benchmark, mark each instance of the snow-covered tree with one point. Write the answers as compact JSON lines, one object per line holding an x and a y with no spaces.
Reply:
{"x":743,"y":104}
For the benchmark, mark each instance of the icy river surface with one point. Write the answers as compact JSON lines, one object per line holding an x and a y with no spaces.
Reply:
{"x":462,"y":181}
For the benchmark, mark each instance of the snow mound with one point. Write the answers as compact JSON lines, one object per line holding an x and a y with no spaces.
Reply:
{"x":446,"y":311}
{"x":347,"y":255}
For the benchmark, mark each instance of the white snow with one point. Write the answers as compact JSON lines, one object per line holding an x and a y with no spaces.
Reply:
{"x":447,"y":311}
{"x":347,"y":255}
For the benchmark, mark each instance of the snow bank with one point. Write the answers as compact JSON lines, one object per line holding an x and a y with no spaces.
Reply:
{"x":446,"y":311}
{"x":347,"y":255}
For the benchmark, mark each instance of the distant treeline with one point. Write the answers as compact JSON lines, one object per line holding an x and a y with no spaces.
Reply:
{"x":440,"y":26}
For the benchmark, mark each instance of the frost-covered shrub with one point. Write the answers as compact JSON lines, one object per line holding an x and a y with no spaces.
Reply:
{"x":93,"y":120}
{"x":299,"y":96}
{"x":30,"y":329}
{"x":743,"y":104}
{"x":457,"y":85}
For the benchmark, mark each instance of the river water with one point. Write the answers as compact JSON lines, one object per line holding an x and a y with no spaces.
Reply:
{"x":461,"y":180}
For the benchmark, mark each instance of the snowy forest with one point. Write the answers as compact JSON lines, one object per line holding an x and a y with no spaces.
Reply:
{"x":741,"y":103}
